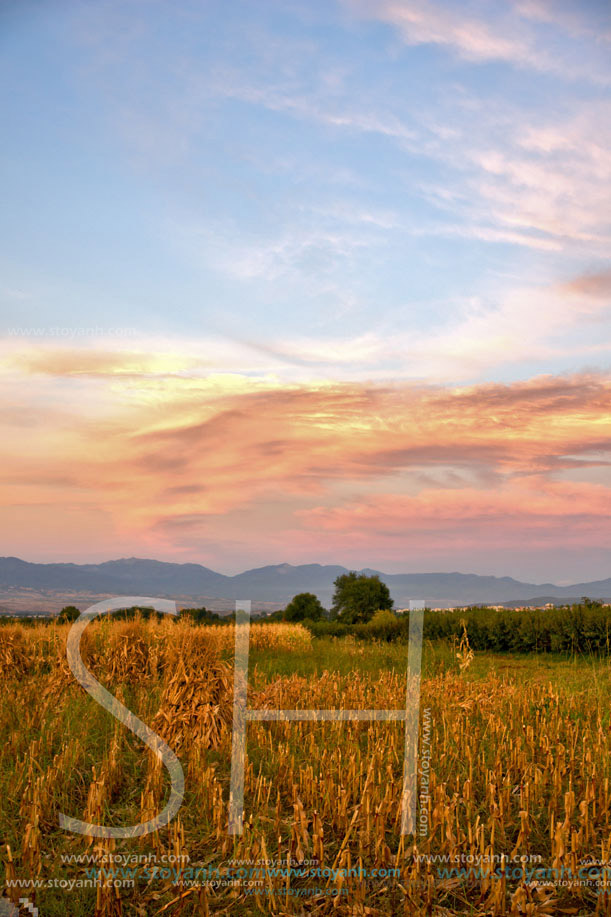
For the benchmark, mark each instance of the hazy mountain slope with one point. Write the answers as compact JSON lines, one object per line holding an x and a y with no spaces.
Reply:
{"x":275,"y":583}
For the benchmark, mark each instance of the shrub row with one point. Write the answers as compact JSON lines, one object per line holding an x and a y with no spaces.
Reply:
{"x":583,"y":628}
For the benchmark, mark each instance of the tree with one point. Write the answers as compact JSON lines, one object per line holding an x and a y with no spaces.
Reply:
{"x":358,"y":597}
{"x":302,"y":606}
{"x":135,"y":611}
{"x":68,"y":614}
{"x":199,"y":615}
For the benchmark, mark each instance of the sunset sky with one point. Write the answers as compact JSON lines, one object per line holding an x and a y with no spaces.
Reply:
{"x":308,"y":282}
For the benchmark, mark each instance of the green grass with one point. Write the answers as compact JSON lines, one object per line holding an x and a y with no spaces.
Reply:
{"x":345,"y":656}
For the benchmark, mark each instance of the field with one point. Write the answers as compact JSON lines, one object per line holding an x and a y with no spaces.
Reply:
{"x":517,"y":819}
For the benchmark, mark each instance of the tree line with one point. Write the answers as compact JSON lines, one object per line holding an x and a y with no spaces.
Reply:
{"x":584,"y":627}
{"x":362,"y":607}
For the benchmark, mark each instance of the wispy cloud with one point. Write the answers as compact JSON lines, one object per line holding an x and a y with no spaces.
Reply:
{"x":530,"y":324}
{"x":596,"y":285}
{"x":538,"y":179}
{"x":494,"y":33}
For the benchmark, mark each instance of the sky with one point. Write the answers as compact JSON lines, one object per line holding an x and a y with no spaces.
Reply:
{"x":307,"y":282}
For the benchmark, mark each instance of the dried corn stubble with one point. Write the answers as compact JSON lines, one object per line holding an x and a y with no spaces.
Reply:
{"x":129,"y":656}
{"x":517,"y":769}
{"x":17,"y":654}
{"x":108,"y":902}
{"x":194,"y":648}
{"x":197,"y":706}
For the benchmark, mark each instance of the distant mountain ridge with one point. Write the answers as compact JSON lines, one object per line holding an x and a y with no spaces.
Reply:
{"x":275,"y":583}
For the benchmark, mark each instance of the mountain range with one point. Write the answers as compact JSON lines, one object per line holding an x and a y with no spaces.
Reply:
{"x":275,"y":584}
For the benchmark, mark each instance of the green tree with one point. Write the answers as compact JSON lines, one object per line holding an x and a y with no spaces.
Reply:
{"x":199,"y":615}
{"x":68,"y":614}
{"x":358,"y":597}
{"x":302,"y":606}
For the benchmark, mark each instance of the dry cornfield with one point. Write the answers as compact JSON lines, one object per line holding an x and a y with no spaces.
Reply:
{"x":519,"y":780}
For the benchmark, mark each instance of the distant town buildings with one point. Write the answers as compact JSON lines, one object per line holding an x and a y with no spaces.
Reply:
{"x":413,"y":605}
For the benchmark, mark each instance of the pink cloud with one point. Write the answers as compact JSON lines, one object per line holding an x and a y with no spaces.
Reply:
{"x":177,"y":467}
